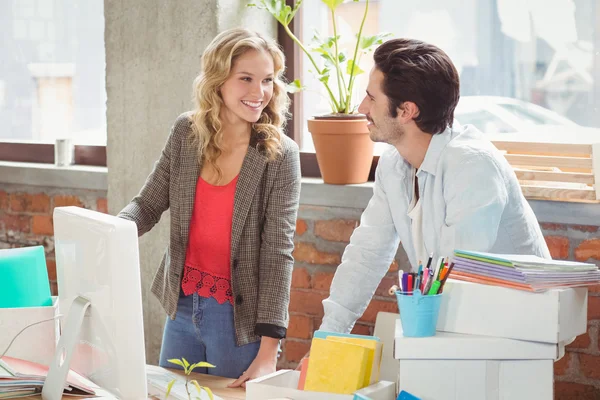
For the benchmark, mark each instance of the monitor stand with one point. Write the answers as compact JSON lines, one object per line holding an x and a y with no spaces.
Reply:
{"x":60,"y":365}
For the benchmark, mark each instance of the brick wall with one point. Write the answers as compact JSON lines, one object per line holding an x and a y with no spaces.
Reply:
{"x":26,"y":216}
{"x":321,"y":236}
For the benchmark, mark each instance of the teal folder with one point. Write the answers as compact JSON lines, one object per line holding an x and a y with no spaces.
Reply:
{"x":24,"y":278}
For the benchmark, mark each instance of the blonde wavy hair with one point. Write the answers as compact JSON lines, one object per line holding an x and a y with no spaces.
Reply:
{"x":217,"y":62}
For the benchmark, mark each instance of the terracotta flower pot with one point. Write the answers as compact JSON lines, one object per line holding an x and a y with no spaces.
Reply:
{"x":343,"y":147}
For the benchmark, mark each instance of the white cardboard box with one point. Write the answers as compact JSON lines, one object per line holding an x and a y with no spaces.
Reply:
{"x":282,"y":384}
{"x":475,"y":367}
{"x":553,"y":316}
{"x":36,"y":343}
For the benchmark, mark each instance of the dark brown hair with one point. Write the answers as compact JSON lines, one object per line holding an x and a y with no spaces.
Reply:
{"x":423,"y":74}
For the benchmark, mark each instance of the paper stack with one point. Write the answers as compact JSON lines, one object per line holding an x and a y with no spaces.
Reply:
{"x":20,"y":378}
{"x":524,"y":272}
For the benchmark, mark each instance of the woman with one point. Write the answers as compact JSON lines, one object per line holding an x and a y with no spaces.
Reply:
{"x":231,"y":179}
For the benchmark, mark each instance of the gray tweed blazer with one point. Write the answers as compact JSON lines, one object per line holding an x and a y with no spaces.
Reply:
{"x":264,"y":220}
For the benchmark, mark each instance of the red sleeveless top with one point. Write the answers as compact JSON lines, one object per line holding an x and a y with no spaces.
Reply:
{"x":207,"y":262}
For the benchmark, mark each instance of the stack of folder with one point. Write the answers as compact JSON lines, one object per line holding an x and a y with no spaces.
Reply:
{"x":524,"y":272}
{"x":20,"y":378}
{"x":341,"y":363}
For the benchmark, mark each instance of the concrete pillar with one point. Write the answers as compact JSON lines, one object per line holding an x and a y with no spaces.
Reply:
{"x":153,"y":51}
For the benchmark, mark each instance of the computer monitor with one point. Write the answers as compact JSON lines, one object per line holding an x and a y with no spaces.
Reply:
{"x":99,"y":290}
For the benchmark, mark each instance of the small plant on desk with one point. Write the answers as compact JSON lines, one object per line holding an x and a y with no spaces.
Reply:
{"x":188,"y":368}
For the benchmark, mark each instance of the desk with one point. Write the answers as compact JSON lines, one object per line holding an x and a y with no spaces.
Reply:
{"x":216,"y":383}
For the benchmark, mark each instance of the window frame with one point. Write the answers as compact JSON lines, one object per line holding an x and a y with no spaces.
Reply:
{"x":43,"y":153}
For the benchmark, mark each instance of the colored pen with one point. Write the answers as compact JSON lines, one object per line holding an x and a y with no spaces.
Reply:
{"x":429,"y":261}
{"x":419,"y":277}
{"x":430,"y":280}
{"x":446,"y":277}
{"x":400,"y":273}
{"x":435,"y":287}
{"x":410,"y":284}
{"x":424,"y":279}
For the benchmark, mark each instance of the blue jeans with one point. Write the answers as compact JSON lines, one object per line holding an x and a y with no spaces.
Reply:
{"x":203,"y":330}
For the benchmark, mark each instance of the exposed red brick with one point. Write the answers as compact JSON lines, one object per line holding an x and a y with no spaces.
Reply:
{"x":594,"y":289}
{"x":306,"y":252}
{"x":300,"y":278}
{"x":575,"y":391}
{"x":393,"y":266}
{"x":553,"y":227}
{"x":360,"y":329}
{"x":322,"y":281}
{"x":301,"y":227}
{"x":377,"y":306}
{"x":65,"y":201}
{"x":317,"y":321}
{"x":593,"y":307}
{"x":33,"y":203}
{"x":561,"y":366}
{"x":584,"y":228}
{"x":581,"y":342}
{"x":306,"y":302}
{"x":558,"y":246}
{"x":102,"y":205}
{"x":300,"y":327}
{"x":4,"y":201}
{"x":18,"y":223}
{"x":51,"y":266}
{"x":42,"y":225}
{"x":385,"y":285}
{"x":336,"y":230}
{"x":588,"y":249}
{"x":589,"y":365}
{"x":295,"y":350}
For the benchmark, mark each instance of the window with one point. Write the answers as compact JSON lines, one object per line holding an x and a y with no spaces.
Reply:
{"x":52,"y":78}
{"x":520,"y":63}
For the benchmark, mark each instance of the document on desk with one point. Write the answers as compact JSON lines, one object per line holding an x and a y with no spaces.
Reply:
{"x":158,"y":381}
{"x":20,"y":378}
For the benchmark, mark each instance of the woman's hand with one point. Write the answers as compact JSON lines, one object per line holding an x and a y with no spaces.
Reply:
{"x":265,"y":362}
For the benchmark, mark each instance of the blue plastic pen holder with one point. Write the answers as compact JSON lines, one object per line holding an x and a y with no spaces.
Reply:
{"x":418,"y":313}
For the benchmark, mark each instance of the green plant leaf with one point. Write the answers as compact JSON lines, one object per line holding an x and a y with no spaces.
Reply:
{"x":210,"y":393}
{"x":295,"y":86}
{"x":283,"y":13}
{"x":177,"y":362}
{"x":201,"y":364}
{"x":368,"y":43}
{"x":200,"y":388}
{"x":332,"y":4}
{"x":353,"y":69}
{"x":186,"y":364}
{"x":324,"y":77}
{"x":169,"y":387}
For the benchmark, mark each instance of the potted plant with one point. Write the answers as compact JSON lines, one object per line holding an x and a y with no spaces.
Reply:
{"x":341,"y":138}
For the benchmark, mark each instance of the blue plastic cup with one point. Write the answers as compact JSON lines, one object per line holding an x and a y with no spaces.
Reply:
{"x":418,"y":313}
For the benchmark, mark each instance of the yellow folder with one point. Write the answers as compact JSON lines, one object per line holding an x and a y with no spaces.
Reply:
{"x":375,"y":352}
{"x":336,"y":366}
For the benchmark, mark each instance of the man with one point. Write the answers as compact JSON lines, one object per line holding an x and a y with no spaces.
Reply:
{"x":439,"y":188}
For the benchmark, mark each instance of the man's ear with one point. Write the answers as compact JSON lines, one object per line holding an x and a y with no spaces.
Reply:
{"x":408,"y":111}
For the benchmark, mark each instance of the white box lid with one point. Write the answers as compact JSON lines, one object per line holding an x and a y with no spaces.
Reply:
{"x":553,"y":316}
{"x":455,"y":346}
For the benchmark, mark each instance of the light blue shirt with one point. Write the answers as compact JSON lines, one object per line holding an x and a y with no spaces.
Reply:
{"x":470,"y":200}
